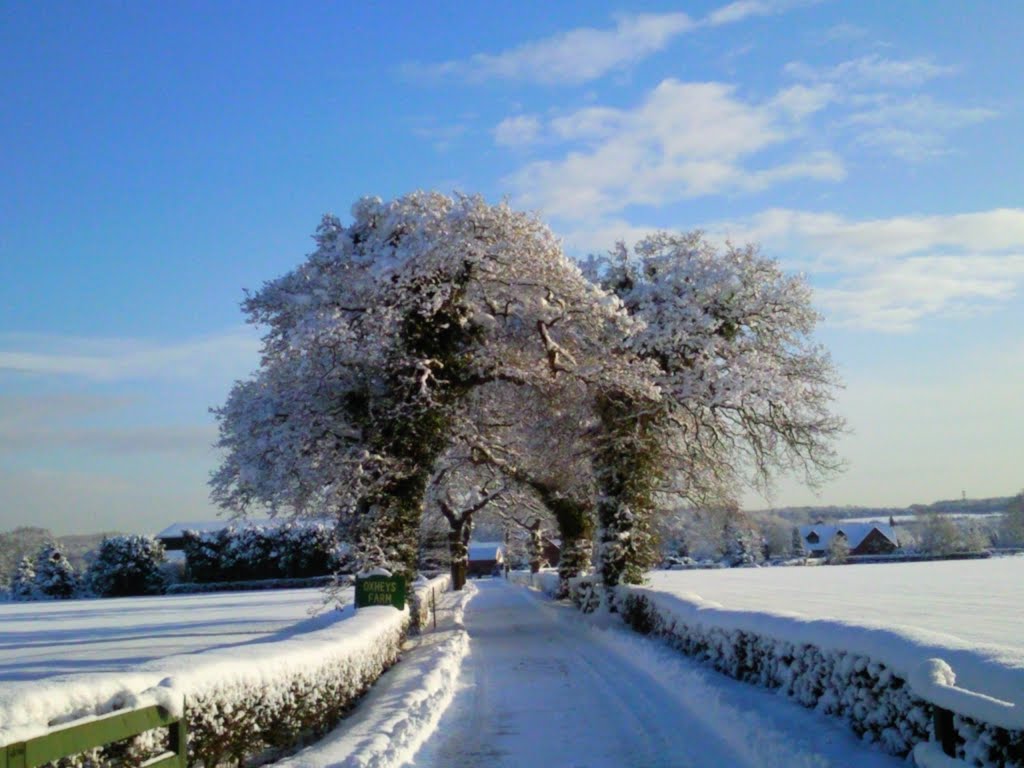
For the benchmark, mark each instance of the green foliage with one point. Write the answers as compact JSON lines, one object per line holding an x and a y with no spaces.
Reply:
{"x":629,"y":464}
{"x":127,"y":566}
{"x":55,"y":576}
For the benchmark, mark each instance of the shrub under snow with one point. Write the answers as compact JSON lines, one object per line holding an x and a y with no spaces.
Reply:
{"x":55,"y":576}
{"x":127,"y":566}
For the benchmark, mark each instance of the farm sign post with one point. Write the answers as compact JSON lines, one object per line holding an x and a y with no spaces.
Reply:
{"x":380,"y":590}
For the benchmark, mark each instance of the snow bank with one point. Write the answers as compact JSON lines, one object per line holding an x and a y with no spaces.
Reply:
{"x":547,"y":580}
{"x":399,"y":716}
{"x":884,"y":682}
{"x":268,"y":698}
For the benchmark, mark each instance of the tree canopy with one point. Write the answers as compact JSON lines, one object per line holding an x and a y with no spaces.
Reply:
{"x":434,"y":336}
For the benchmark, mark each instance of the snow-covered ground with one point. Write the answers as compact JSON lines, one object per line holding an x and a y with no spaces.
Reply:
{"x":44,"y":639}
{"x":977,"y":601}
{"x":404,"y":706}
{"x":544,"y":685}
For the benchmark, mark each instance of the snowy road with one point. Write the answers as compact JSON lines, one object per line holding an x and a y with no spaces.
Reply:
{"x":542,"y":686}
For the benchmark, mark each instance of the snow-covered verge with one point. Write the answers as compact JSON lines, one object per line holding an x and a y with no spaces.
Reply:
{"x":883,"y":682}
{"x":401,"y":713}
{"x":125,"y":634}
{"x":546,"y":580}
{"x":269,"y":698}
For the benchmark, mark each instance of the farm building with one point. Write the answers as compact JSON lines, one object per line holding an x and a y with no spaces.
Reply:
{"x":485,"y":557}
{"x":862,"y":538}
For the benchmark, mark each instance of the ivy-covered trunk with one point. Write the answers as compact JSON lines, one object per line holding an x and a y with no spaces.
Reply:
{"x":423,"y":388}
{"x":536,"y":547}
{"x":628,"y":468}
{"x":576,"y":527}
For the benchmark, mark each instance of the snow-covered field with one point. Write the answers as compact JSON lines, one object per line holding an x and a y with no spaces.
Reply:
{"x":976,"y":601}
{"x":43,"y":639}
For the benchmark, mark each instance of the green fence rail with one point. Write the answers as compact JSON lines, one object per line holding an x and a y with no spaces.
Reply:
{"x":95,"y":732}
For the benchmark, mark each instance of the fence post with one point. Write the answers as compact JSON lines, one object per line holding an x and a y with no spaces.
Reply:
{"x":945,"y":732}
{"x":433,"y":607}
{"x":179,"y":739}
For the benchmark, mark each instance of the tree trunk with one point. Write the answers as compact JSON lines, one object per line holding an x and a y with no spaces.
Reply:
{"x":536,"y":547}
{"x":459,"y":553}
{"x":628,"y":466}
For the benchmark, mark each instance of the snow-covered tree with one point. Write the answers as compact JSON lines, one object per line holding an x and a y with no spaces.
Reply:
{"x":738,"y":390}
{"x":690,"y":370}
{"x":798,"y":548}
{"x":127,"y":566}
{"x":373,"y":343}
{"x":939,"y":534}
{"x":838,"y":549}
{"x":55,"y":576}
{"x":1011,"y":527}
{"x":23,"y":580}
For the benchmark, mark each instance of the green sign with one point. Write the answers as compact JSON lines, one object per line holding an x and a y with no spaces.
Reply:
{"x":380,"y":590}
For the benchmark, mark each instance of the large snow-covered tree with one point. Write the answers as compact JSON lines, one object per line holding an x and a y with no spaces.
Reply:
{"x":374,"y":342}
{"x":740,"y":390}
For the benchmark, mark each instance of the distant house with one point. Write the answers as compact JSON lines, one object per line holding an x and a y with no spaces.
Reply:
{"x":862,"y":538}
{"x":485,"y":557}
{"x":552,"y":551}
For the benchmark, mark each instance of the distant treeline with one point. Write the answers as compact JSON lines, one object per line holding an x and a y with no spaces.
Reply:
{"x":959,"y":506}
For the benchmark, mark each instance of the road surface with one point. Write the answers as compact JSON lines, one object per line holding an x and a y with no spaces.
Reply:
{"x":543,"y":686}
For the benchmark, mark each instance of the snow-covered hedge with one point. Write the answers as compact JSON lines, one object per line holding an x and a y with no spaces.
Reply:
{"x":265,"y":700}
{"x":883,"y":683}
{"x":293,"y":550}
{"x":192,"y":588}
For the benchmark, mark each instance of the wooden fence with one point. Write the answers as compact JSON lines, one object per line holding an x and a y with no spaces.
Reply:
{"x":83,"y":735}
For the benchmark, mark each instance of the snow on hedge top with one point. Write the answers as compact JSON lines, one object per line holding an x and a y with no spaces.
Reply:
{"x":29,"y":709}
{"x":980,"y":671}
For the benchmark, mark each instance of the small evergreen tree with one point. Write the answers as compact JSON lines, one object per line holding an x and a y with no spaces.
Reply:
{"x":23,"y":582}
{"x":55,"y":576}
{"x":127,"y":566}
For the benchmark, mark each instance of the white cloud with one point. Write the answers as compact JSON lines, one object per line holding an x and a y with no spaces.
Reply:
{"x":872,"y":71}
{"x":738,"y":11}
{"x":913,"y":129}
{"x":684,"y":140}
{"x":888,"y":275}
{"x":879,"y":115}
{"x":517,"y":131}
{"x":741,"y":10}
{"x":801,"y":101}
{"x":227,"y":355}
{"x":892,"y":274}
{"x":576,"y":56}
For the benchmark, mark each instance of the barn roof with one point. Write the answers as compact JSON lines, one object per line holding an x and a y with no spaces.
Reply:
{"x":485,"y":550}
{"x":855,"y":533}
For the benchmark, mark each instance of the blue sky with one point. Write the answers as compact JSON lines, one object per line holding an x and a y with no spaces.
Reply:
{"x":159,"y":158}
